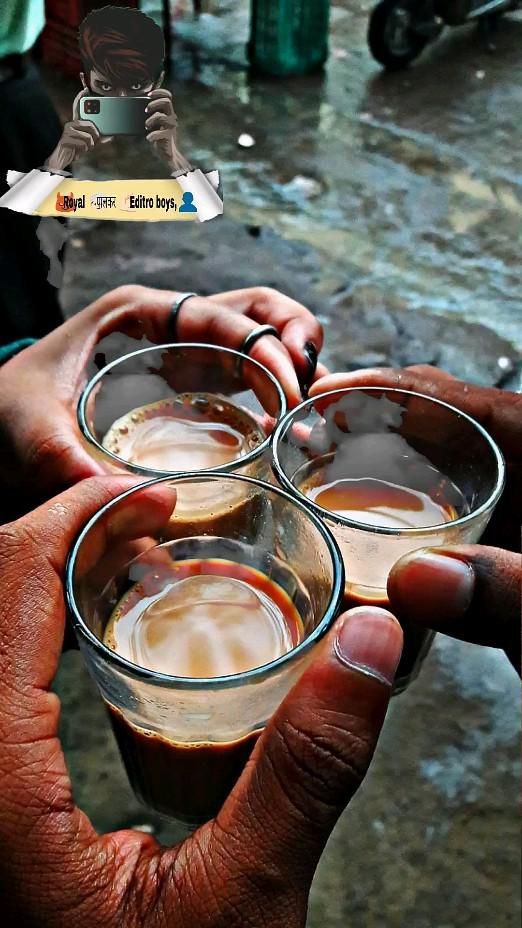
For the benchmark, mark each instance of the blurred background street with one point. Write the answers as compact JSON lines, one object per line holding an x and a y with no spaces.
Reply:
{"x":392,"y":206}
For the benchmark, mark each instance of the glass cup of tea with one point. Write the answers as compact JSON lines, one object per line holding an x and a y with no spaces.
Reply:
{"x":182,"y":408}
{"x":389,"y":471}
{"x":195,"y":635}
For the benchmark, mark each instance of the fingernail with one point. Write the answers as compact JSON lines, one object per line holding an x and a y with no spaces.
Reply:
{"x":310,"y":353}
{"x":428,"y":584}
{"x":370,"y":641}
{"x":310,"y":356}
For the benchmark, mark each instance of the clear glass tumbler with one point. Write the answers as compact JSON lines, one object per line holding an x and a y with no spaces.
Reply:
{"x":182,"y":408}
{"x":389,"y":471}
{"x":184,"y":741}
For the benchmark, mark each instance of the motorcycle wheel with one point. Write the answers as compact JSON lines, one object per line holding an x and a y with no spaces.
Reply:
{"x":392,"y":40}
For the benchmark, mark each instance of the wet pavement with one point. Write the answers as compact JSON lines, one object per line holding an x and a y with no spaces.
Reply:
{"x":392,"y":205}
{"x":401,"y":189}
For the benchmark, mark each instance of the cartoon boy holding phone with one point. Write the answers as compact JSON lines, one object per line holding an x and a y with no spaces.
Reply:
{"x":122,"y":52}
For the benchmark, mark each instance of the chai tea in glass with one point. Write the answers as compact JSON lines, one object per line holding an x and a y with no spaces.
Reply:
{"x":195,"y":640}
{"x":204,"y":619}
{"x":182,"y":408}
{"x":389,"y":471}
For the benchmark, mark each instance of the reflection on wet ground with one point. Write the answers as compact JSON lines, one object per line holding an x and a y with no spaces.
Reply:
{"x":417,"y":176}
{"x":391,"y":204}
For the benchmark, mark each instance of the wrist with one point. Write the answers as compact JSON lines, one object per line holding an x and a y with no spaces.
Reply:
{"x":13,"y":348}
{"x":58,"y":161}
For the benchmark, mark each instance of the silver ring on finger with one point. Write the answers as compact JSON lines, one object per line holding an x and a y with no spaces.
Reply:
{"x":249,"y":341}
{"x":257,"y":333}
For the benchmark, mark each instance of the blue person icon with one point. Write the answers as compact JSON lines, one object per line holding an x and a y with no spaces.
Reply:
{"x":188,"y":205}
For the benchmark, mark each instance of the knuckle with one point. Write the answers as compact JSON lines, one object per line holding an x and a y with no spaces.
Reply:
{"x":259,"y":873}
{"x":422,"y":369}
{"x":329,"y":763}
{"x":214,"y":329}
{"x":317,"y":326}
{"x":13,"y":538}
{"x":89,"y":487}
{"x":129,"y":293}
{"x":20,"y":557}
{"x":250,"y":880}
{"x":267,"y":294}
{"x":47,"y":452}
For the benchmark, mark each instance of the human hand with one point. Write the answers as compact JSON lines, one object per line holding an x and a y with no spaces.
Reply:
{"x":78,"y":136}
{"x":300,"y":332}
{"x":40,"y":446}
{"x":471,"y":592}
{"x":253,"y":864}
{"x":161,"y":125}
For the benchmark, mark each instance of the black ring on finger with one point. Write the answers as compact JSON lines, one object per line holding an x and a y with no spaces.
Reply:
{"x":174,"y":313}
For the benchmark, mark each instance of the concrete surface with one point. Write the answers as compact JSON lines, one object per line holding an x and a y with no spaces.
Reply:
{"x":392,"y":205}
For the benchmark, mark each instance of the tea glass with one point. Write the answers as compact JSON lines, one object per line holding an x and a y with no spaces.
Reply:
{"x":184,"y":740}
{"x":396,"y":437}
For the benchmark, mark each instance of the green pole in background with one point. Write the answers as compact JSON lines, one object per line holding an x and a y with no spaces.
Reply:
{"x":288,"y":36}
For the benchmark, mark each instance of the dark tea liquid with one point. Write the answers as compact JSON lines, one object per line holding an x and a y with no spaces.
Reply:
{"x":188,"y":782}
{"x":198,"y":619}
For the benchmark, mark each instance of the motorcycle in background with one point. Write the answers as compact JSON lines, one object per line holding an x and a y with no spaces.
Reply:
{"x":399,"y":30}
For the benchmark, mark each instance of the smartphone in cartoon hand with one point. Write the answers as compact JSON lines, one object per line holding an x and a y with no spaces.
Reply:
{"x":122,"y":51}
{"x":115,"y":115}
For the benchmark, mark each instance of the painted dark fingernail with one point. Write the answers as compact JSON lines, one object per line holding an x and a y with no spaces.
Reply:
{"x":428,"y":585}
{"x":310,"y":355}
{"x":370,"y":642}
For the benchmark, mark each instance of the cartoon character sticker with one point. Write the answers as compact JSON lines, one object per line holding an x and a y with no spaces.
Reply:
{"x":122,"y":52}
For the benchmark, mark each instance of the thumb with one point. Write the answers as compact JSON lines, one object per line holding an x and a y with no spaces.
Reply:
{"x":470,"y":592}
{"x":316,"y":750}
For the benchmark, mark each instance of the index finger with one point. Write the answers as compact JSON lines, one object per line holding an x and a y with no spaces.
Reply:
{"x":87,"y":125}
{"x":499,"y":411}
{"x":471,"y":592}
{"x":297,"y":326}
{"x":76,"y":103}
{"x":160,"y":105}
{"x":221,"y":327}
{"x":200,"y":319}
{"x":159,"y":92}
